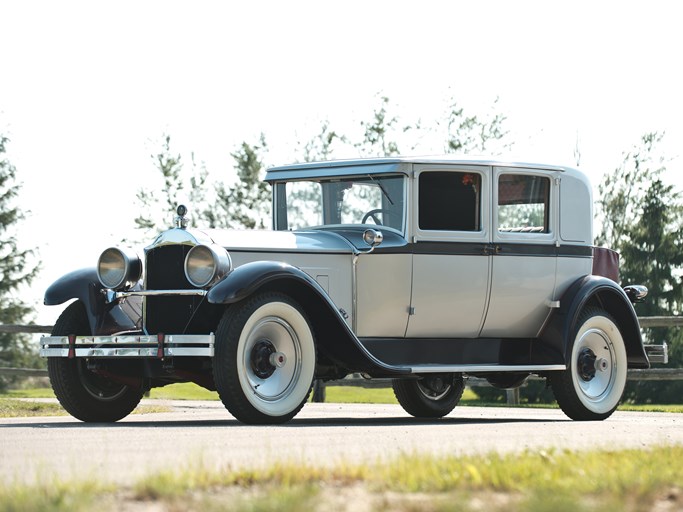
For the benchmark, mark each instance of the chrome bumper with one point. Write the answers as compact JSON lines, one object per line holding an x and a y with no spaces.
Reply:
{"x":657,"y":353}
{"x":156,"y":346}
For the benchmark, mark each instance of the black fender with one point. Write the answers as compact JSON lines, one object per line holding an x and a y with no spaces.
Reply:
{"x":334,"y":338}
{"x":600,"y":292}
{"x":85,"y":286}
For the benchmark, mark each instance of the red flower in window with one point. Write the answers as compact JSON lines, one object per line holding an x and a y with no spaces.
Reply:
{"x":467,"y":179}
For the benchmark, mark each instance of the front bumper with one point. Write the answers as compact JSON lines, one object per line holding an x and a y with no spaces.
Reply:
{"x":128,"y":345}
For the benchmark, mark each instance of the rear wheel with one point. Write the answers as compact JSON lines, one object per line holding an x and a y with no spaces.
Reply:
{"x":591,"y":386}
{"x":84,"y":394}
{"x":265,"y":359}
{"x":433,"y":396}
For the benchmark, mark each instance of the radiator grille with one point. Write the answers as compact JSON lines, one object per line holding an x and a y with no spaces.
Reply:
{"x":169,"y":314}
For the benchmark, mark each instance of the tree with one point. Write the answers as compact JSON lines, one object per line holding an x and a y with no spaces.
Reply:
{"x":159,"y":204}
{"x":621,"y":192}
{"x":247,"y":203}
{"x":472,"y":134}
{"x":321,"y":146}
{"x":653,"y":256}
{"x":15,"y":272}
{"x":642,"y":219}
{"x":376,"y":139}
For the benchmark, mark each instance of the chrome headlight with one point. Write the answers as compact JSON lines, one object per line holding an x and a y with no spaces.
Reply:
{"x":206,"y":264}
{"x":118,"y":269}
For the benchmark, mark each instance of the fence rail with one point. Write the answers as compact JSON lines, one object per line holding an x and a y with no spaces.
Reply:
{"x":659,"y":374}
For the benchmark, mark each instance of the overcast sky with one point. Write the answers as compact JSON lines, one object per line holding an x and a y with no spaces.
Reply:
{"x":88,"y":88}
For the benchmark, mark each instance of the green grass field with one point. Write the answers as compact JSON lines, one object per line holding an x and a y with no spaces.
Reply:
{"x":334,"y":394}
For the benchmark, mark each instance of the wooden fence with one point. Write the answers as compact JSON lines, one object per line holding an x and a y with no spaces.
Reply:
{"x":659,"y":374}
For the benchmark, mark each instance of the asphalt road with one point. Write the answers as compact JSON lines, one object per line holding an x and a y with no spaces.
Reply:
{"x":204,"y":434}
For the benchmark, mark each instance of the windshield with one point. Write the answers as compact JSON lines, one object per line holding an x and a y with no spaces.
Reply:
{"x":373,"y":200}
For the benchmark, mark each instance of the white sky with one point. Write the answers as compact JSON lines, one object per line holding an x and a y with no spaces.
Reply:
{"x":86,"y":88}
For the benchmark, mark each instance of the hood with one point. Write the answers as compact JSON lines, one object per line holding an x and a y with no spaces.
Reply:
{"x":280,"y":241}
{"x":347,"y":240}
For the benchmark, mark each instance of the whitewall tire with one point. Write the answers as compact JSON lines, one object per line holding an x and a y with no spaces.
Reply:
{"x":594,"y":381}
{"x":264,"y":362}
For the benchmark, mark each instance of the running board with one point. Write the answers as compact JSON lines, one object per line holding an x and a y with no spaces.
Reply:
{"x":471,"y":369}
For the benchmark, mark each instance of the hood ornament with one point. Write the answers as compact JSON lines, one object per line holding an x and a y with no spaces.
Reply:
{"x":180,"y":221}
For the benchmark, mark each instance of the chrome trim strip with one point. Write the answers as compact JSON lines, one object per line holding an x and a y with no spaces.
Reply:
{"x":193,"y":345}
{"x":156,"y":293}
{"x":477,"y":368}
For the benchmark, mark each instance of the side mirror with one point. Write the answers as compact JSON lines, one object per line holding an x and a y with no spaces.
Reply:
{"x":373,"y":238}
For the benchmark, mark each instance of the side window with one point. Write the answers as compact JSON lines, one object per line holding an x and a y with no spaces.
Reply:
{"x":449,"y":201}
{"x":523,"y":203}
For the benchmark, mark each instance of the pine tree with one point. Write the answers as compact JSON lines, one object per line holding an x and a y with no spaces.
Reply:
{"x":247,"y":203}
{"x":158,"y":206}
{"x":653,"y":256}
{"x":642,"y":219}
{"x":15,"y":272}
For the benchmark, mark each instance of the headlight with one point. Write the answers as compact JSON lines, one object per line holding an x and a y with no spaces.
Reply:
{"x":118,"y":269}
{"x":206,"y":264}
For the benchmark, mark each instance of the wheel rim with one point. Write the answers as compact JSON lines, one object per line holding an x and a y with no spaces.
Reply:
{"x":98,"y":387}
{"x":263,"y":377}
{"x":595,"y":365}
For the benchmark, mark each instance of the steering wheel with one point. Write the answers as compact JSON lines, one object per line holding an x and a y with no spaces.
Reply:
{"x":373,"y":214}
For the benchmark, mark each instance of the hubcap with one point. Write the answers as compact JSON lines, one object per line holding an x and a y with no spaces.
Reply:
{"x":595,"y":364}
{"x":272,"y":359}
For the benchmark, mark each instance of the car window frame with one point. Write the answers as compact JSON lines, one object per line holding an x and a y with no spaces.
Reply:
{"x":425,"y":235}
{"x":548,"y":237}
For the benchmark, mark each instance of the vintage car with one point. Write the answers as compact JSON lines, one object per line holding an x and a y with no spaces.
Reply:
{"x":423,"y":270}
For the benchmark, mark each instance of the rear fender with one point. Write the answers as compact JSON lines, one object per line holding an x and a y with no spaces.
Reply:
{"x":590,"y":290}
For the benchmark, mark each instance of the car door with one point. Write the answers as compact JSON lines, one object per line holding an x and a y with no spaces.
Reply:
{"x":450,"y":251}
{"x":524,"y":240}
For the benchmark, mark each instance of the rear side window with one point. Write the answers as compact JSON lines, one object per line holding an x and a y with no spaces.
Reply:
{"x":449,"y":201}
{"x":523,"y":203}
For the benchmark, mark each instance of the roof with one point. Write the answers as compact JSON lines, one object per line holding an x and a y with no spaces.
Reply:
{"x":392,"y":165}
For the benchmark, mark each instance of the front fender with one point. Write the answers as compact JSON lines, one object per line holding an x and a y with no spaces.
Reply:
{"x":335,"y":339}
{"x":600,"y":292}
{"x":85,"y":286}
{"x":247,"y":278}
{"x":80,"y":284}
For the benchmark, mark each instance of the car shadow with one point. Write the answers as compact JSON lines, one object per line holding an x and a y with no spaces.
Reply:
{"x":295,"y":423}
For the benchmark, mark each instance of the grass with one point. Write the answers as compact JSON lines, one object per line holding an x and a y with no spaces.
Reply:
{"x":14,"y":408}
{"x":334,"y":394}
{"x":628,"y":480}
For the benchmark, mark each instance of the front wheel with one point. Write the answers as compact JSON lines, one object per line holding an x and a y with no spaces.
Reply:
{"x":594,"y":381}
{"x":265,"y":359}
{"x":433,"y":396}
{"x":84,"y":394}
